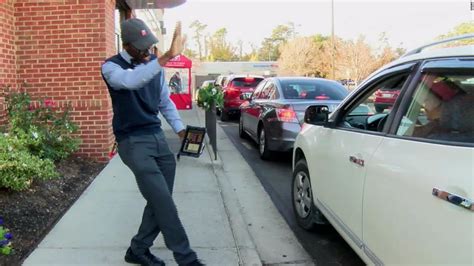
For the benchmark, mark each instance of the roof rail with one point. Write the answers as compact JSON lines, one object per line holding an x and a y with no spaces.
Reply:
{"x":419,"y":49}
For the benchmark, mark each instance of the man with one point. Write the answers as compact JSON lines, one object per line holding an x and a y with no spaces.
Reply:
{"x":135,"y":80}
{"x":175,"y":82}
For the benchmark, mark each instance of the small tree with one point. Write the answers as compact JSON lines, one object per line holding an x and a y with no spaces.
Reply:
{"x":199,"y":36}
{"x":220,"y":48}
{"x":463,"y":28}
{"x":270,"y":47}
{"x":301,"y":57}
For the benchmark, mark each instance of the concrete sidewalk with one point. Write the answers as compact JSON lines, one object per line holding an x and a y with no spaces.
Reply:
{"x":229,"y":218}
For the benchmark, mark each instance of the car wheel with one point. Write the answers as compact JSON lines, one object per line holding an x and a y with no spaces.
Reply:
{"x":242,"y":133}
{"x":224,"y":116}
{"x":263,"y":145}
{"x":307,"y":214}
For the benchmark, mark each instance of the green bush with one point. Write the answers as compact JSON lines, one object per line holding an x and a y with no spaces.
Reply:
{"x":209,"y":95}
{"x":36,"y":138}
{"x":18,"y":167}
{"x":46,"y":132}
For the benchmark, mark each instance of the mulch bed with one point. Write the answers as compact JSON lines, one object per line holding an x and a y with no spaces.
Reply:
{"x":31,"y":214}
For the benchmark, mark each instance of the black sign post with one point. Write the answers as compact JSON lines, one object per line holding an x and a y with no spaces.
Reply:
{"x":211,"y":126}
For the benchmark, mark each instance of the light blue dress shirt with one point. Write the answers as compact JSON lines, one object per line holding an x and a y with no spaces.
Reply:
{"x":136,"y":78}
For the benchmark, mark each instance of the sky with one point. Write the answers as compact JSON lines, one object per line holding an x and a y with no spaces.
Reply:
{"x":407,"y":24}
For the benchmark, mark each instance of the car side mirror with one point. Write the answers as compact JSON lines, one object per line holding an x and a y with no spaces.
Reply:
{"x":247,"y":96}
{"x":317,"y":115}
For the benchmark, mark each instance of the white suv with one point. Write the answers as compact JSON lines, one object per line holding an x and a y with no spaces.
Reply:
{"x":397,"y":185}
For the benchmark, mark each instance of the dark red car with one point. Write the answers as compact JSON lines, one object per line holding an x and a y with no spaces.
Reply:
{"x":385,"y":99}
{"x":235,"y":86}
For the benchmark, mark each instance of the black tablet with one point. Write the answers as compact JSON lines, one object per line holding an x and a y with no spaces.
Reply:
{"x":193,"y":142}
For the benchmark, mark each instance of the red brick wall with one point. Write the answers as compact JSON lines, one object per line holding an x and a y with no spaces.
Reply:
{"x":7,"y":53}
{"x":60,"y":47}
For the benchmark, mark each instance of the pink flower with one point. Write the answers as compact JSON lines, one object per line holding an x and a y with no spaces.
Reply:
{"x":49,"y":103}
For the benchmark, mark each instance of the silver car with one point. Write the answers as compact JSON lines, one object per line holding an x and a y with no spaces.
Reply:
{"x":272,"y":116}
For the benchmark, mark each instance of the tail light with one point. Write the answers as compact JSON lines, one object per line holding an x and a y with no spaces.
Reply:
{"x":321,"y":97}
{"x":286,"y":115}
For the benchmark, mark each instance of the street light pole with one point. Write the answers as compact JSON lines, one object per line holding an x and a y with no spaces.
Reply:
{"x":333,"y":41}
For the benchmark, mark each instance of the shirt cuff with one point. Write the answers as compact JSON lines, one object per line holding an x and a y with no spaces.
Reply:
{"x":178,"y":126}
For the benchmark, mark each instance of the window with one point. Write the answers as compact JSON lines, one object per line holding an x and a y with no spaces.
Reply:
{"x":442,"y":108}
{"x":371,"y":112}
{"x":245,"y":82}
{"x":312,"y":89}
{"x":267,"y":91}
{"x":258,"y":90}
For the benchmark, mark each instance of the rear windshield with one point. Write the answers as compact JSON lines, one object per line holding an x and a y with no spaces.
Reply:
{"x":313,"y":90}
{"x":245,"y":82}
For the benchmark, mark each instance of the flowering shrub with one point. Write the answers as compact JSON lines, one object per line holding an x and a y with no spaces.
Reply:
{"x":5,"y":240}
{"x":209,"y":95}
{"x":46,"y":132}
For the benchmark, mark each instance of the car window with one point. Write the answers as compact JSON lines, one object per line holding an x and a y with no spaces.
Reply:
{"x":258,"y":90}
{"x":313,"y":89}
{"x":224,"y":82}
{"x":372,"y":110}
{"x":267,"y":91}
{"x":245,"y":82}
{"x":275,"y":94}
{"x":442,"y":108}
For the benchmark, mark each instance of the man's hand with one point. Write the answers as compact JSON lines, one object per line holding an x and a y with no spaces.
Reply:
{"x":177,"y":46}
{"x":182,"y":134}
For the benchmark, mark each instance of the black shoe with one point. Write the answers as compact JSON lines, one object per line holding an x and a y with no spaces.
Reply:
{"x":194,"y":263}
{"x":146,"y":259}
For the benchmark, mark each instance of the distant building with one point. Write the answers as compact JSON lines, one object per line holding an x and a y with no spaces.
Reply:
{"x":264,"y":68}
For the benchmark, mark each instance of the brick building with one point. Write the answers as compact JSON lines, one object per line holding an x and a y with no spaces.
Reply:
{"x":54,"y":49}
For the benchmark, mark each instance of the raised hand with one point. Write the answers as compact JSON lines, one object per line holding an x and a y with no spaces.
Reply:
{"x":177,"y":44}
{"x":176,"y":48}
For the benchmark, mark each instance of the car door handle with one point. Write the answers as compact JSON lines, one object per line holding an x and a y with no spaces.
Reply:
{"x":453,"y":199}
{"x":354,"y":159}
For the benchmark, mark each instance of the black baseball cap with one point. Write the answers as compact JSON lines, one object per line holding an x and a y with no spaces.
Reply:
{"x":137,"y":33}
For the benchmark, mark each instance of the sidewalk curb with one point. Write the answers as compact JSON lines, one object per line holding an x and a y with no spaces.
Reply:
{"x":245,"y":245}
{"x":271,"y":237}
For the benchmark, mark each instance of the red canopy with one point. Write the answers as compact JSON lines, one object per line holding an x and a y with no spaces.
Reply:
{"x":180,"y":61}
{"x":182,"y":100}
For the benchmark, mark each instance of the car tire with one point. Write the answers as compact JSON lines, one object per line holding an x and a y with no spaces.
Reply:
{"x":263,"y":144}
{"x":242,"y":133}
{"x":224,"y":116}
{"x":307,"y":215}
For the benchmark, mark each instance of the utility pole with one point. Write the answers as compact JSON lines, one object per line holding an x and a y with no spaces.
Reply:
{"x":333,"y":41}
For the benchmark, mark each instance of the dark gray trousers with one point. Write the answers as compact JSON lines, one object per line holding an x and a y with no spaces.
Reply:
{"x":154,"y":167}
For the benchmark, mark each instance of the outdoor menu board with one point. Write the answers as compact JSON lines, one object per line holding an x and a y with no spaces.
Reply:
{"x":193,"y":142}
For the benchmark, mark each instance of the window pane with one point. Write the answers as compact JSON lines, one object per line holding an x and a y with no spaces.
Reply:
{"x":314,"y":89}
{"x":442,"y":108}
{"x":372,"y":111}
{"x":245,"y":82}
